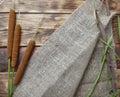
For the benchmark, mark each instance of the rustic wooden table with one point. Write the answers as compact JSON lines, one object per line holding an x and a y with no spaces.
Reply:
{"x":53,"y":13}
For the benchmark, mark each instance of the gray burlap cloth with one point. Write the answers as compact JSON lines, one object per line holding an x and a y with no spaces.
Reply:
{"x":56,"y":69}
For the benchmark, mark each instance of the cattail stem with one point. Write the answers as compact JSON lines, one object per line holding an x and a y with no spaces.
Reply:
{"x":13,"y":4}
{"x":35,"y":34}
{"x":37,"y":29}
{"x":19,"y":21}
{"x":9,"y":91}
{"x":12,"y":86}
{"x":11,"y":26}
{"x":15,"y":52}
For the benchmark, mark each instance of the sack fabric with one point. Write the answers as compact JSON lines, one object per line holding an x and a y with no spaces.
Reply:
{"x":56,"y":68}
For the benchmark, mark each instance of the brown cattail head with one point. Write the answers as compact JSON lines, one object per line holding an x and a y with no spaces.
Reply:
{"x":16,"y":43}
{"x":11,"y":27}
{"x":24,"y":61}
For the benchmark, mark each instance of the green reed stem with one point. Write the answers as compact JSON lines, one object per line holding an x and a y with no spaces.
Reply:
{"x":12,"y":86}
{"x":107,"y":47}
{"x":101,"y":68}
{"x":9,"y":61}
{"x":106,"y":43}
{"x":97,"y":78}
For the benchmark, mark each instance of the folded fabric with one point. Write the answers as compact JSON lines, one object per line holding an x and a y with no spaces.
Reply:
{"x":56,"y":69}
{"x":102,"y":89}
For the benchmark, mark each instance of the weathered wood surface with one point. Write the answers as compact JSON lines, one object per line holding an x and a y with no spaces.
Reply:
{"x":117,"y":48}
{"x":50,"y":6}
{"x":54,"y":13}
{"x":115,"y":30}
{"x":115,"y":5}
{"x":3,"y":84}
{"x":116,"y":40}
{"x":29,"y":22}
{"x":42,"y":6}
{"x":3,"y":60}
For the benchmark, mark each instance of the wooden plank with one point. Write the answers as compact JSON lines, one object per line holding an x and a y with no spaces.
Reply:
{"x":42,"y":6}
{"x":117,"y":50}
{"x":115,"y":5}
{"x":50,"y":6}
{"x":116,"y":40}
{"x":29,"y":22}
{"x":115,"y":30}
{"x":3,"y":84}
{"x":3,"y":60}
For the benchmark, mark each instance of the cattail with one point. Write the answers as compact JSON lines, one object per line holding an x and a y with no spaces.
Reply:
{"x":11,"y":27}
{"x":24,"y":61}
{"x":16,"y":43}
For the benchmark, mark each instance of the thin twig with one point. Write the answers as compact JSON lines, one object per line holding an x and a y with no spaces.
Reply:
{"x":37,"y":29}
{"x":13,"y":4}
{"x":19,"y":17}
{"x":100,"y":72}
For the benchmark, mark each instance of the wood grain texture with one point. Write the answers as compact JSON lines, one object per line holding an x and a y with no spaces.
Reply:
{"x":3,"y":60}
{"x":3,"y":84}
{"x":51,"y":6}
{"x":117,"y":50}
{"x":42,"y":6}
{"x":116,"y":39}
{"x":29,"y":23}
{"x":115,"y":30}
{"x":115,"y":5}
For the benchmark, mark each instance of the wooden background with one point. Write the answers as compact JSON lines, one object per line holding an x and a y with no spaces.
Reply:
{"x":52,"y":12}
